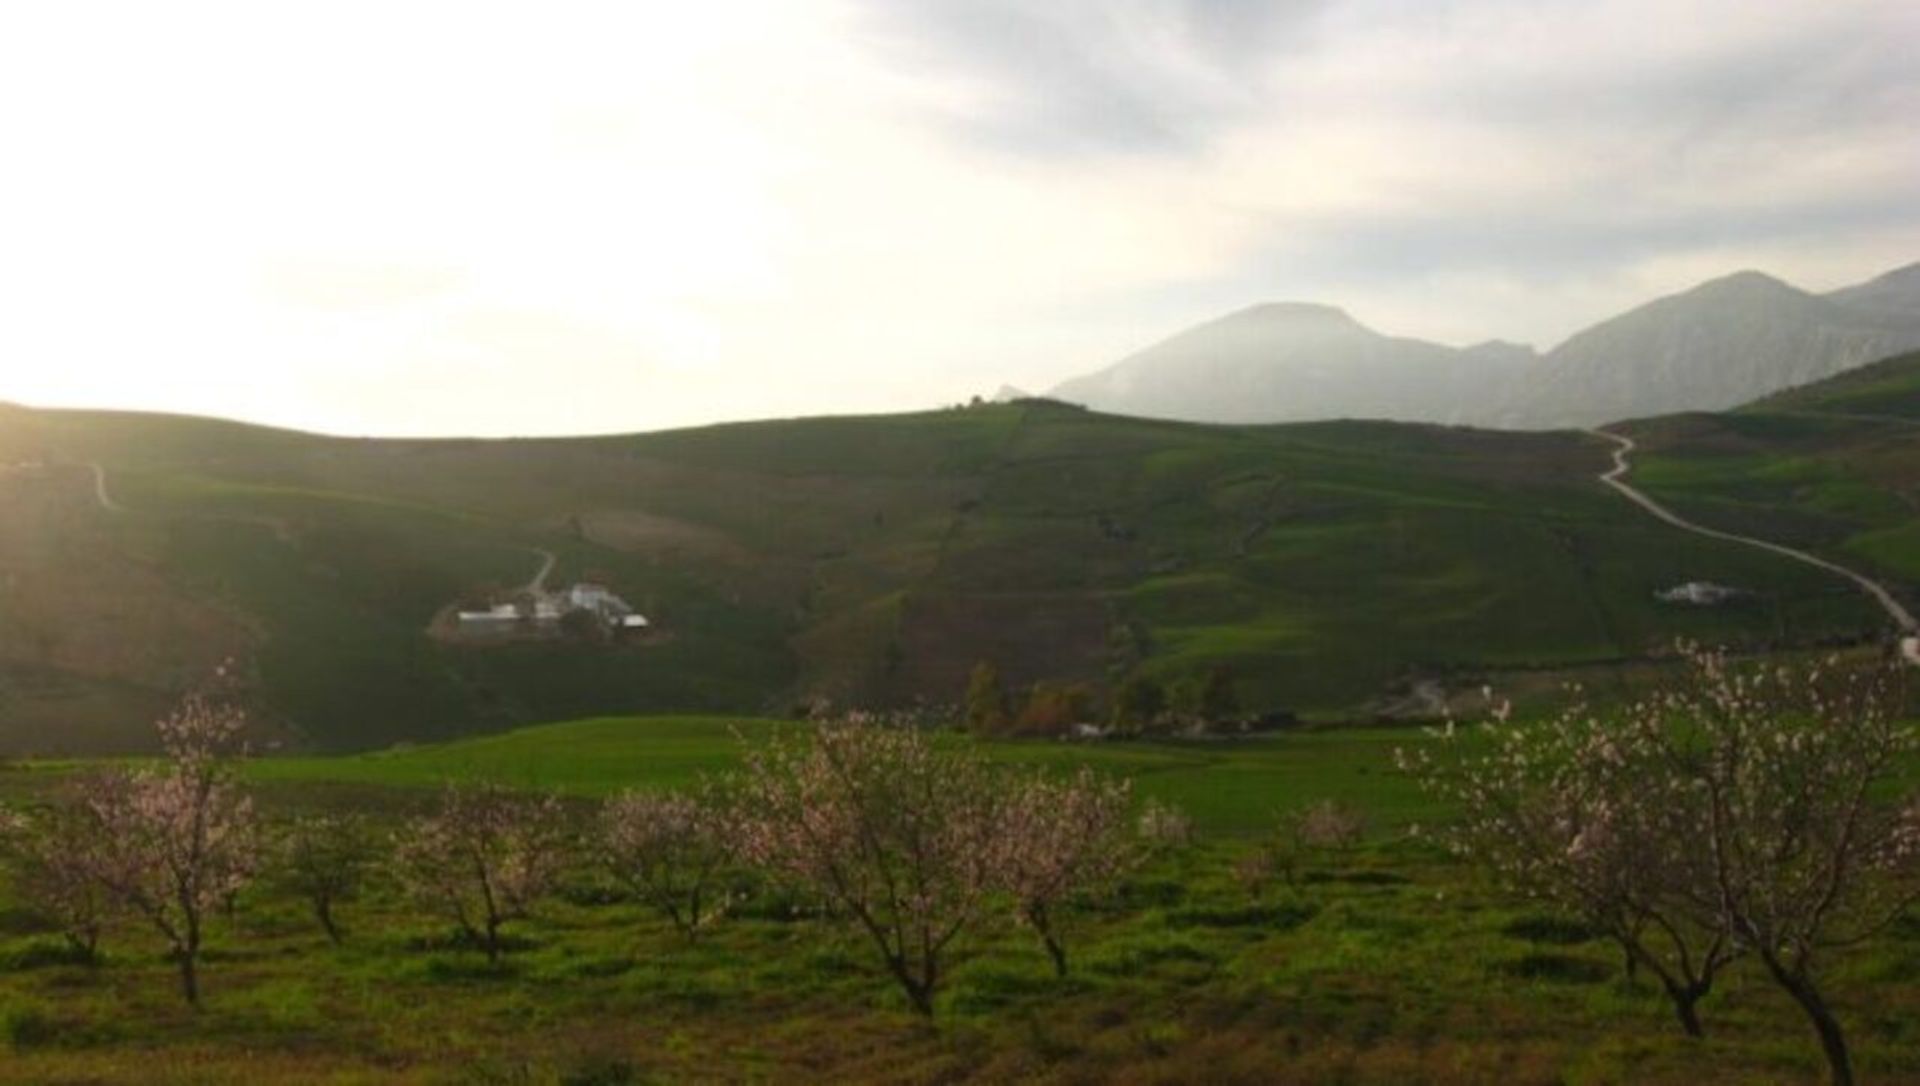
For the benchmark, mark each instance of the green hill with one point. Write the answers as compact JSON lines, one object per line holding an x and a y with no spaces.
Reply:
{"x":1888,"y":388}
{"x":868,"y":560}
{"x":1833,"y":467}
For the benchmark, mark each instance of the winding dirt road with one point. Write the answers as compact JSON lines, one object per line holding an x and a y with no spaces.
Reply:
{"x":547,"y":559}
{"x":100,"y":490}
{"x":1616,"y":478}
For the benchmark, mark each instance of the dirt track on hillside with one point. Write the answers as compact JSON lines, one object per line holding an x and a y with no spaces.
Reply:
{"x":1615,"y":477}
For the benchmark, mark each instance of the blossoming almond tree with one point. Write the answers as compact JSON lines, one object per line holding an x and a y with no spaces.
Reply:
{"x":1060,"y":838}
{"x":1763,"y":811}
{"x":895,"y":830}
{"x":1805,"y":817}
{"x":1582,"y":812}
{"x":173,"y":842}
{"x":671,"y":849}
{"x":1164,"y":827}
{"x":53,"y":857}
{"x":483,"y":858}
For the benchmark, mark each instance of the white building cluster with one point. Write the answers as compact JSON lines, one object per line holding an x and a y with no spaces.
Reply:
{"x":547,"y":608}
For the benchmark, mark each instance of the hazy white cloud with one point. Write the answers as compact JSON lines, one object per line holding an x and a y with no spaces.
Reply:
{"x":596,"y":216}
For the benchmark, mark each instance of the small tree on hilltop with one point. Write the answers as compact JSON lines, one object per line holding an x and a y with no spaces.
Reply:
{"x":986,"y":700}
{"x":173,"y":843}
{"x":670,"y":849}
{"x":324,"y":859}
{"x":1206,"y":696}
{"x":1051,"y":708}
{"x":1218,"y":699}
{"x":1060,"y":839}
{"x":897,"y":832}
{"x":1138,"y":705}
{"x":483,"y":859}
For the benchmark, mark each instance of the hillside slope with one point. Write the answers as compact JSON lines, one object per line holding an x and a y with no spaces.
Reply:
{"x":865,"y":560}
{"x":1833,"y":467}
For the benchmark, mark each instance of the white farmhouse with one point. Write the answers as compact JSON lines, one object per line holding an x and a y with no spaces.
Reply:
{"x":1698,"y":593}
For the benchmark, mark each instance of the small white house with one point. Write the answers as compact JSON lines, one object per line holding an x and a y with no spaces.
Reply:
{"x":499,"y":612}
{"x":1698,"y":593}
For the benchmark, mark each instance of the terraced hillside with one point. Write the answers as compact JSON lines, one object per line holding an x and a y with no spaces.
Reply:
{"x":1330,"y":566}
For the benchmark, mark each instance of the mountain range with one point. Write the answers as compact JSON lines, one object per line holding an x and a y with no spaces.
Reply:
{"x":1723,"y":343}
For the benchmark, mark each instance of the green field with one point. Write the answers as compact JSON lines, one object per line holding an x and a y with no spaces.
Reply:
{"x":1230,"y":787}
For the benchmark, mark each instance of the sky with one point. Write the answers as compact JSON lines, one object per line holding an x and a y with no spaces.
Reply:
{"x":544,"y":218}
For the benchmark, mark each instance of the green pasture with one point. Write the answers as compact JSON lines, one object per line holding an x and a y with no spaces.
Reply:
{"x":1230,"y":786}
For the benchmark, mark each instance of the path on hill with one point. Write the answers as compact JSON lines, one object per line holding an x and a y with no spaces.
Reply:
{"x":1615,"y":478}
{"x":539,"y":582}
{"x":282,"y":530}
{"x":100,"y":490}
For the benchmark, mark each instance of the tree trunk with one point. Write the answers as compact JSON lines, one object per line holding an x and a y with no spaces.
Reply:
{"x":1832,"y":1041}
{"x":323,"y":911}
{"x":1057,"y":952}
{"x":919,"y":993}
{"x":1685,"y":1000}
{"x":189,"y":976}
{"x":189,"y":951}
{"x":492,"y":942}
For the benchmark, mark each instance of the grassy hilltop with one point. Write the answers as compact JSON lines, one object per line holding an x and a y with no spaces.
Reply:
{"x":873,"y":560}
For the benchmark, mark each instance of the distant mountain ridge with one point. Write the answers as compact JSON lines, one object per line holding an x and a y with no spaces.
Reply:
{"x":1723,"y":343}
{"x":1294,"y":362}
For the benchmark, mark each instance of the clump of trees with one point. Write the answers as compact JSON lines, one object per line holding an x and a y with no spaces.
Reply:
{"x":1763,"y":813}
{"x":1054,"y":708}
{"x":1140,"y":704}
